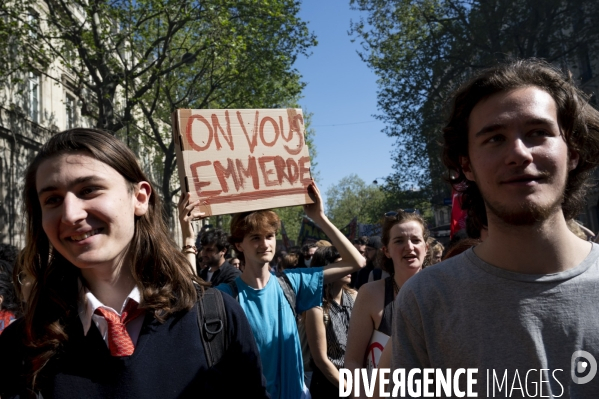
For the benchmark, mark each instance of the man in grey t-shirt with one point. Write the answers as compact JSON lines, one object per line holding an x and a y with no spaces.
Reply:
{"x":522,"y":308}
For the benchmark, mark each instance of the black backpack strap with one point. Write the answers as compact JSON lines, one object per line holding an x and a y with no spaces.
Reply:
{"x":234,"y":291}
{"x":212,"y":322}
{"x":287,"y":291}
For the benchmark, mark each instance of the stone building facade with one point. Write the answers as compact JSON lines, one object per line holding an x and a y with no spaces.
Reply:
{"x":33,"y":108}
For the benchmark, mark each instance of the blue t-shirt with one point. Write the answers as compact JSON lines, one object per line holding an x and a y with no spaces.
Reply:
{"x":275,"y":329}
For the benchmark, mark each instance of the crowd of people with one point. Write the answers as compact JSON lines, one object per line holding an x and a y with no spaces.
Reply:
{"x":101,"y":302}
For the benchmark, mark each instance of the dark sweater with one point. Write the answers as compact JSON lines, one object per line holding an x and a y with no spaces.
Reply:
{"x":168,"y":362}
{"x":223,"y":275}
{"x":363,"y":273}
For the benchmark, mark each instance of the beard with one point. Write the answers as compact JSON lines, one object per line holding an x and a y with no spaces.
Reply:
{"x":212,"y":262}
{"x":525,"y":213}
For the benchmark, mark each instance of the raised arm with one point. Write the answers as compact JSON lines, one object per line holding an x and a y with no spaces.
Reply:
{"x":351,"y":260}
{"x":317,"y":340}
{"x":188,"y":213}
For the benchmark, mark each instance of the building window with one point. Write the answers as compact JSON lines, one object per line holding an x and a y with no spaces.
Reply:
{"x":33,"y":20}
{"x":34,"y":97}
{"x":71,"y":112}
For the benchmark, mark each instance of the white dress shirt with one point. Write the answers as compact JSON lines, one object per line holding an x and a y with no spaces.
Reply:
{"x":88,"y":304}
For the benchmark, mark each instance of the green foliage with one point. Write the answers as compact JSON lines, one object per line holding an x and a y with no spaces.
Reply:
{"x":132,"y":63}
{"x":242,"y":60}
{"x":292,"y":218}
{"x":421,"y":50}
{"x":198,"y":52}
{"x":309,"y":137}
{"x":352,"y":197}
{"x":19,"y":52}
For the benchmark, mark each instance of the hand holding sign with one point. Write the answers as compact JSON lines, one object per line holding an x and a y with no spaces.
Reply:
{"x":242,"y":160}
{"x":188,"y":212}
{"x":314,"y":211}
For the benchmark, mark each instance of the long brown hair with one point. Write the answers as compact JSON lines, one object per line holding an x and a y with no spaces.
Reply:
{"x":578,"y":120}
{"x":160,"y":270}
{"x":322,"y":257}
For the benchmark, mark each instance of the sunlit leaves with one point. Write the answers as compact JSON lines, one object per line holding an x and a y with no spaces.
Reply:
{"x":421,"y":50}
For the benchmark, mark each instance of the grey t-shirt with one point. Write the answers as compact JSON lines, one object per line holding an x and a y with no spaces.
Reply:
{"x":466,"y":313}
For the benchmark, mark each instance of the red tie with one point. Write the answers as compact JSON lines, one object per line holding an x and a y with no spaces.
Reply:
{"x":119,"y":341}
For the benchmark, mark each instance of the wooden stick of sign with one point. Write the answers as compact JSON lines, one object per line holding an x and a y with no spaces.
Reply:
{"x":237,"y":160}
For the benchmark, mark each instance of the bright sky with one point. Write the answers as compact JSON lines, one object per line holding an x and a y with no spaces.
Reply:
{"x":341,"y":93}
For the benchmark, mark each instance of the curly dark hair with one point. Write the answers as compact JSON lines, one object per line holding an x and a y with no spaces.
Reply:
{"x":216,"y":237}
{"x":578,"y":120}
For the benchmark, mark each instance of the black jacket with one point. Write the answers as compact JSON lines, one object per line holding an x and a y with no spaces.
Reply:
{"x":225,"y":274}
{"x":168,"y":362}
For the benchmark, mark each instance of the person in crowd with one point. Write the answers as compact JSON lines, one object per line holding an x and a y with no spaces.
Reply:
{"x":236,"y":263}
{"x":326,"y":329}
{"x":215,"y":244}
{"x":253,"y":235}
{"x":301,"y":319}
{"x":275,"y":264}
{"x":290,"y":261}
{"x":200,"y":264}
{"x":456,"y":238}
{"x":588,"y":232}
{"x":372,"y":255}
{"x":580,"y":231}
{"x":295,"y":250}
{"x":9,"y":253}
{"x":306,"y":254}
{"x":360,"y":244}
{"x":524,"y":141}
{"x":10,"y":308}
{"x":262,"y":296}
{"x":435,"y":252}
{"x":461,"y":246}
{"x":113,"y":310}
{"x":404,"y":239}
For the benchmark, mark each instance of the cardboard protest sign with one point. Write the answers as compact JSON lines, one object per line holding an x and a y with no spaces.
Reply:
{"x":237,"y":160}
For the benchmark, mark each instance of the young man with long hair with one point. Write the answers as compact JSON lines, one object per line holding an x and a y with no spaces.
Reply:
{"x":113,"y":307}
{"x":520,"y":307}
